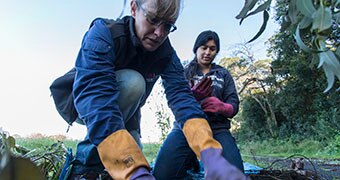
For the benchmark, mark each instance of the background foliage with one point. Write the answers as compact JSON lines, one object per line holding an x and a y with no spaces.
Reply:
{"x":283,"y":97}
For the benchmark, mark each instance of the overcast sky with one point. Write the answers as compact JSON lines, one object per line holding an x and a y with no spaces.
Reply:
{"x":40,"y":39}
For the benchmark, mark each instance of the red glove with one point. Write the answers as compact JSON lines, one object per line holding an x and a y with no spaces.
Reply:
{"x":202,"y":89}
{"x":214,"y":105}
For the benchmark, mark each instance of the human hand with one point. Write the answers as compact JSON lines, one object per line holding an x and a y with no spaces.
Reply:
{"x":214,"y":105}
{"x":142,"y":174}
{"x":202,"y":89}
{"x":217,"y":168}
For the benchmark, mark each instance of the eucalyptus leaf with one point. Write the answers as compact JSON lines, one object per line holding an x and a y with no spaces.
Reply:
{"x":306,"y":7}
{"x":305,"y":22}
{"x":330,"y":77}
{"x":315,"y":59}
{"x":331,"y":65}
{"x":293,"y":12}
{"x":263,"y":27}
{"x":337,"y":52}
{"x":320,"y":43}
{"x":334,"y":62}
{"x":337,"y":4}
{"x":248,"y":5}
{"x":285,"y":24}
{"x":322,"y":18}
{"x":336,"y":17}
{"x":299,"y":41}
{"x":122,"y":11}
{"x":261,"y":8}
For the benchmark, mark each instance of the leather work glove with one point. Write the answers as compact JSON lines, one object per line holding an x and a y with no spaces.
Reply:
{"x":216,"y":167}
{"x":214,"y":105}
{"x":142,"y":174}
{"x":202,"y":89}
{"x":122,"y":157}
{"x":200,"y":139}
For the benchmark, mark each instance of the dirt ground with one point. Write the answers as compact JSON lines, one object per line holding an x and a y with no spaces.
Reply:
{"x":290,"y":168}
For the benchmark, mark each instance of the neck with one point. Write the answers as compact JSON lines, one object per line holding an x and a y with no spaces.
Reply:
{"x":205,"y":68}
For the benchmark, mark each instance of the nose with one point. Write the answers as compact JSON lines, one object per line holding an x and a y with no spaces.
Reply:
{"x":160,"y":30}
{"x":207,"y":51}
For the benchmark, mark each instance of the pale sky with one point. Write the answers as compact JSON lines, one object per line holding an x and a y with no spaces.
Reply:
{"x":40,"y":39}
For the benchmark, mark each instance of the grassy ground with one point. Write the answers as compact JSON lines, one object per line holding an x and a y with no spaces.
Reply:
{"x":262,"y":154}
{"x":273,"y":148}
{"x":284,"y":148}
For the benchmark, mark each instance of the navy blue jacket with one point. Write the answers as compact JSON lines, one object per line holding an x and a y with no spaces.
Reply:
{"x":95,"y":88}
{"x":223,"y":88}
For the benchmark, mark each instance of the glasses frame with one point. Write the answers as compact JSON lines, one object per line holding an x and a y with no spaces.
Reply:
{"x":169,"y":27}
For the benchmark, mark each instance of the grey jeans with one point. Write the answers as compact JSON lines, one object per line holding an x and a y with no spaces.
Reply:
{"x":132,"y":89}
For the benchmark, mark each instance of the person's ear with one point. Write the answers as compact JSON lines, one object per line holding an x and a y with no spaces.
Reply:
{"x":133,"y":9}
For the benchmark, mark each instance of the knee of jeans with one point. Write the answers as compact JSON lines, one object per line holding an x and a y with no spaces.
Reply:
{"x":132,"y":83}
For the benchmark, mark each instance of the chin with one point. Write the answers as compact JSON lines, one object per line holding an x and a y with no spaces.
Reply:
{"x":150,"y":47}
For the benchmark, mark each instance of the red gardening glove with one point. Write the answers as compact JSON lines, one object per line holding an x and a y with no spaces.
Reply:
{"x":214,"y":105}
{"x":202,"y":89}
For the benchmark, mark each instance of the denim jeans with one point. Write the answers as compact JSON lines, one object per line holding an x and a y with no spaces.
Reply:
{"x":175,"y":157}
{"x":132,"y":89}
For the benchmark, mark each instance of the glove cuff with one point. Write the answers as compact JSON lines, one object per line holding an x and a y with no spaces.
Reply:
{"x":199,"y":135}
{"x":121,"y":155}
{"x":228,"y":110}
{"x":209,"y":156}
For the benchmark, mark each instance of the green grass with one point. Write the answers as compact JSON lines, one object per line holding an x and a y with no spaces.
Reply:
{"x":36,"y":143}
{"x":149,"y":149}
{"x":286,"y":147}
{"x":273,"y":148}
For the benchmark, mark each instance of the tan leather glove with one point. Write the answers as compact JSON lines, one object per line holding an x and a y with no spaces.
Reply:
{"x":121,"y":155}
{"x":200,"y":139}
{"x":199,"y":135}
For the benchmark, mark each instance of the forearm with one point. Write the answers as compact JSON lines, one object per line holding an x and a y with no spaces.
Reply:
{"x":180,"y":98}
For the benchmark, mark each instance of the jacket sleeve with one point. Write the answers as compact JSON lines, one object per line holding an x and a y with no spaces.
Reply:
{"x":180,"y":98}
{"x":230,"y":95}
{"x":95,"y":88}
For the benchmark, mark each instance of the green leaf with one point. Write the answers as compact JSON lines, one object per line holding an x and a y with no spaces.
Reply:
{"x":285,"y":24}
{"x":306,"y":7}
{"x":330,"y":77}
{"x":305,"y":22}
{"x":122,"y":11}
{"x":336,"y":17}
{"x":261,"y":8}
{"x":337,"y":52}
{"x":299,"y":41}
{"x":337,"y":4}
{"x":263,"y":27}
{"x":293,"y":12}
{"x":248,"y":5}
{"x":314,"y":61}
{"x":11,"y":142}
{"x":331,"y":65}
{"x":322,"y":18}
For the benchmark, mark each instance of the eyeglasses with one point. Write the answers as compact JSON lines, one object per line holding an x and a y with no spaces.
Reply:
{"x":169,"y":27}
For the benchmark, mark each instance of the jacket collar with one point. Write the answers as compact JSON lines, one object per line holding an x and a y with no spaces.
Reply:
{"x":134,"y":38}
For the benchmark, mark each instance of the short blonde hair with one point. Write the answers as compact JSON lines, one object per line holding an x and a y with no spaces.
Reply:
{"x":168,"y":10}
